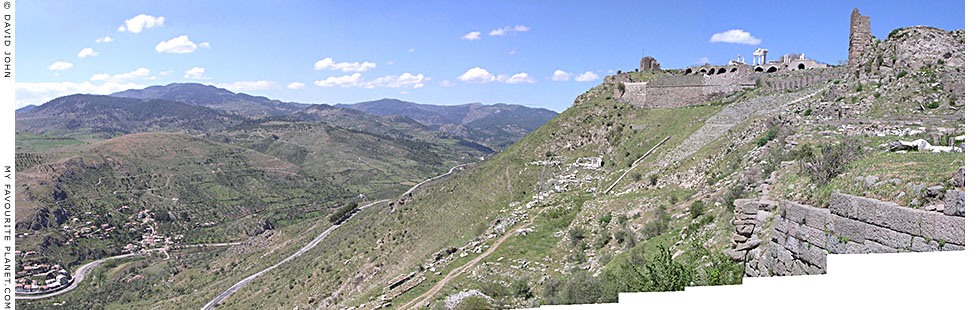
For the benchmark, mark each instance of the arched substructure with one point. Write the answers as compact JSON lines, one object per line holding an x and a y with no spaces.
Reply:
{"x":711,"y":71}
{"x":734,"y":69}
{"x":722,"y":70}
{"x":688,"y":71}
{"x":771,"y":69}
{"x":801,"y":67}
{"x":759,"y":69}
{"x":703,"y":71}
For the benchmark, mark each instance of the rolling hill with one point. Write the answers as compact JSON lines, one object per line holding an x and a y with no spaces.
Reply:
{"x":215,"y":98}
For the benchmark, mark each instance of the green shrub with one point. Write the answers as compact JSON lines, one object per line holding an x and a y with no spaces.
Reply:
{"x":696,"y":208}
{"x":341,"y":214}
{"x":601,"y":240}
{"x":933,"y":105}
{"x":827,"y":163}
{"x":654,"y":274}
{"x":769,"y":135}
{"x":902,"y":74}
{"x":604,"y":220}
{"x":576,"y":235}
{"x":737,"y":191}
{"x":807,"y":112}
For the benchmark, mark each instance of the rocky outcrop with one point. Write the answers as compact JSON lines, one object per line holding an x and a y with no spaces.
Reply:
{"x":795,"y":239}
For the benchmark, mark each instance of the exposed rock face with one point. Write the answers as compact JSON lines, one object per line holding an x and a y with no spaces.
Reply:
{"x":860,"y":37}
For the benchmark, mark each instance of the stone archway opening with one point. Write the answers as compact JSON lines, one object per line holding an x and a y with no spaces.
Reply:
{"x":801,"y":67}
{"x":771,"y":70}
{"x":703,"y":71}
{"x":688,"y":71}
{"x":733,"y":70}
{"x":759,"y":69}
{"x":722,"y":70}
{"x":712,"y":71}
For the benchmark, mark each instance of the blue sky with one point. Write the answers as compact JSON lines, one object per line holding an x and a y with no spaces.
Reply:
{"x":420,"y":52}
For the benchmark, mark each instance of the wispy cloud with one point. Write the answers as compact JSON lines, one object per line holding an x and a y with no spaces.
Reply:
{"x":196,"y":73}
{"x":477,"y":75}
{"x":141,"y":73}
{"x":329,"y":64}
{"x":296,"y":85}
{"x":388,"y":81}
{"x":105,"y":39}
{"x":60,"y":66}
{"x":561,"y":76}
{"x":509,"y":29}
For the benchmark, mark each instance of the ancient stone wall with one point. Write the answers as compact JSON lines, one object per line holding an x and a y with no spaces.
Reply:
{"x":786,"y":238}
{"x":798,"y":79}
{"x":674,"y":91}
{"x":860,"y":37}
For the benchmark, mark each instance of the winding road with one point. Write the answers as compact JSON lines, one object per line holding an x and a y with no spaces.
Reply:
{"x":234,"y":288}
{"x":79,"y":275}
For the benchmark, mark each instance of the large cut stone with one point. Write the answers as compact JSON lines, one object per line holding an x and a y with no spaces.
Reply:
{"x":955,"y":203}
{"x":748,"y":245}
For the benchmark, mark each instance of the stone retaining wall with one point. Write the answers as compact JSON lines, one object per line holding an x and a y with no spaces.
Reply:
{"x":786,"y":238}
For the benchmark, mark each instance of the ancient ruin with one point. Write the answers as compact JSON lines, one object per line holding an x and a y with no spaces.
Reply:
{"x":860,"y":37}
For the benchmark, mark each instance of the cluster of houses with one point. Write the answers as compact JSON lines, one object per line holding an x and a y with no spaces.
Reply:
{"x":37,"y":278}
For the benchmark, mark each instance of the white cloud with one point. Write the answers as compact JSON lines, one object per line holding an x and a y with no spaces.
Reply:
{"x":340,"y":81}
{"x":447,"y":83}
{"x":165,"y":73}
{"x":38,"y":93}
{"x":701,"y":61}
{"x":403,"y":92}
{"x":105,"y":39}
{"x":295,"y":85}
{"x":476,"y":75}
{"x":204,"y":45}
{"x":137,"y":23}
{"x":735,"y":36}
{"x":87,"y":52}
{"x":475,"y":35}
{"x":60,"y":66}
{"x":588,"y":76}
{"x":390,"y":62}
{"x":195,"y":73}
{"x":411,"y":50}
{"x":328,"y":63}
{"x":391,"y":81}
{"x":135,"y":74}
{"x":512,"y":52}
{"x":516,"y":78}
{"x":178,"y":45}
{"x":509,"y":29}
{"x":561,"y":76}
{"x":241,"y":86}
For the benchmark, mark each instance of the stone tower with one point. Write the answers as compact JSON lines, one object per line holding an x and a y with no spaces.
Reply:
{"x":648,"y":64}
{"x":860,"y":37}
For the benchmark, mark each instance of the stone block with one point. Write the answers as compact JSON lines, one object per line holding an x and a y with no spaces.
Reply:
{"x":817,"y":217}
{"x":748,"y":245}
{"x":953,"y":247}
{"x":792,"y":211}
{"x":745,"y":230}
{"x":875,"y":247}
{"x":920,"y":244}
{"x":746,"y":206}
{"x":952,"y":229}
{"x":887,"y":237}
{"x":955,"y":203}
{"x":849,"y":229}
{"x":816,"y":237}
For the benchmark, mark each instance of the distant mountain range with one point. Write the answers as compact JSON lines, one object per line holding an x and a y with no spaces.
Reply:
{"x":215,"y":98}
{"x":497,"y":125}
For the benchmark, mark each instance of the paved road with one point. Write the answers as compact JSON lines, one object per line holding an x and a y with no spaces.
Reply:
{"x":234,"y":288}
{"x":79,"y":275}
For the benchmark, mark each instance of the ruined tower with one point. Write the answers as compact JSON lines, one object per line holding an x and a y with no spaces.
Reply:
{"x":860,"y":37}
{"x":649,"y":64}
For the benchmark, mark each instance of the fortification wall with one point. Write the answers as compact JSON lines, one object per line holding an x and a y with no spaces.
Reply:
{"x":786,"y":238}
{"x":674,"y":91}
